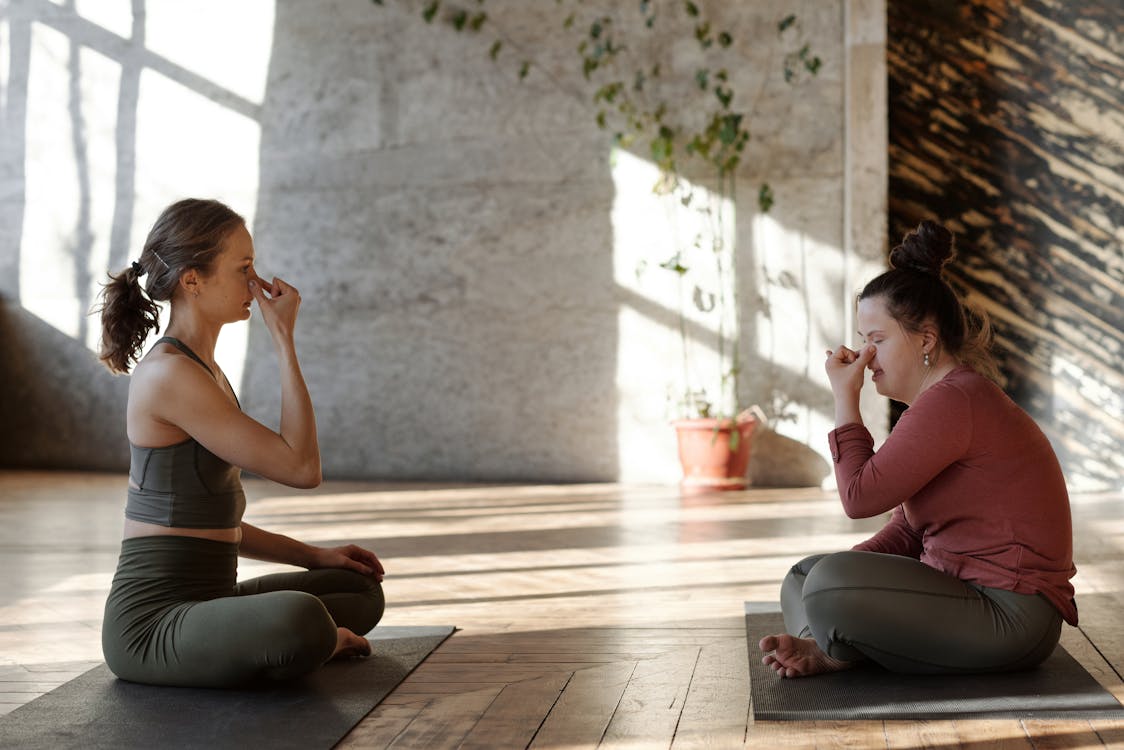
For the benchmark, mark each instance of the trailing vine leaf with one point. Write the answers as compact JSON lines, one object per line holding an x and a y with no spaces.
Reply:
{"x":431,"y":11}
{"x":702,"y":34}
{"x":675,"y":265}
{"x":765,"y":198}
{"x":495,"y":50}
{"x":731,"y":127}
{"x":691,"y":8}
{"x":786,"y":22}
{"x":524,"y":69}
{"x":812,"y":63}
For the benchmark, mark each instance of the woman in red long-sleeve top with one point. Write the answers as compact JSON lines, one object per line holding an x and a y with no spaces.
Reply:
{"x":971,"y":573}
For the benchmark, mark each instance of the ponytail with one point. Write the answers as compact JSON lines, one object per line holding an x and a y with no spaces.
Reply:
{"x":127,"y":316}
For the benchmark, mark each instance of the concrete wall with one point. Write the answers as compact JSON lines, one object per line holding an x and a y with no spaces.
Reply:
{"x":476,"y":263}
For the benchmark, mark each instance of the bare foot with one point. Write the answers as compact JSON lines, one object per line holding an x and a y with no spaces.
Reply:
{"x":350,"y":645}
{"x":790,"y":656}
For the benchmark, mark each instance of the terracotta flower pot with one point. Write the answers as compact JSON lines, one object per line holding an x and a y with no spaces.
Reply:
{"x":704,"y":451}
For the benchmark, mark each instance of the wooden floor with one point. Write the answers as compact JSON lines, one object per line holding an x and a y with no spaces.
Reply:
{"x":589,"y":616}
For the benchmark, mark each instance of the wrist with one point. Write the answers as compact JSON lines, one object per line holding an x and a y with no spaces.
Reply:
{"x":310,"y":556}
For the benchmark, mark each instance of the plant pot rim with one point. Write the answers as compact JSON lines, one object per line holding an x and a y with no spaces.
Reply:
{"x":710,"y":423}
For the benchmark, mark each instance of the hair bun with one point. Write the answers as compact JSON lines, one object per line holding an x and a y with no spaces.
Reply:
{"x":926,"y":249}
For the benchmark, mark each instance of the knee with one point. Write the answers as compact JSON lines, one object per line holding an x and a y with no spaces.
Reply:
{"x":357,"y":603}
{"x":801,"y":569}
{"x":300,"y":631}
{"x":374,"y":604}
{"x":830,"y":586}
{"x":840,"y":570}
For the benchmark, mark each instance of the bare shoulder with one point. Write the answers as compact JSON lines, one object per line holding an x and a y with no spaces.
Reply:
{"x":164,"y":389}
{"x":162,"y":370}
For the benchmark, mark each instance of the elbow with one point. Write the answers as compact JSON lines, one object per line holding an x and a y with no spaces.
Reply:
{"x":854,"y":509}
{"x":313,"y":479}
{"x":309,"y":477}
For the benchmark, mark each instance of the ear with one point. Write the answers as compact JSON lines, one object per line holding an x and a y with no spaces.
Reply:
{"x":929,"y":337}
{"x":189,"y":282}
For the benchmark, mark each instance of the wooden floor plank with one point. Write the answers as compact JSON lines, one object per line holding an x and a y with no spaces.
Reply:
{"x":582,"y":713}
{"x":382,"y":726}
{"x":903,"y":735}
{"x":514,"y":717}
{"x":652,"y":702}
{"x":993,"y":734}
{"x":783,"y":735}
{"x":1050,"y":734}
{"x":444,"y":721}
{"x":716,"y":710}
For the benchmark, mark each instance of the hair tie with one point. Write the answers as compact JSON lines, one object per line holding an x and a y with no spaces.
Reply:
{"x":138,"y":270}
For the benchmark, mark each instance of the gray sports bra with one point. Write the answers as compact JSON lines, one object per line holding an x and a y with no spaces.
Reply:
{"x":184,"y":485}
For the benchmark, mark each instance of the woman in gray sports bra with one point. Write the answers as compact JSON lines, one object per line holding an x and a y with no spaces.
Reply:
{"x":176,"y":614}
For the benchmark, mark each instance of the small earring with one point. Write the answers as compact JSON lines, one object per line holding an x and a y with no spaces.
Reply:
{"x":927,"y":364}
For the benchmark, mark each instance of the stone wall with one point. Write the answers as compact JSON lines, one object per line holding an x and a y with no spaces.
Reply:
{"x":476,"y":263}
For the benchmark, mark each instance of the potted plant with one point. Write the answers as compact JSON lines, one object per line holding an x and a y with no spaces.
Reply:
{"x":693,"y":125}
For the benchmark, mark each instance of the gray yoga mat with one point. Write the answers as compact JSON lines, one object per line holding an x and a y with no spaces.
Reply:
{"x":96,"y":710}
{"x":1059,"y":688}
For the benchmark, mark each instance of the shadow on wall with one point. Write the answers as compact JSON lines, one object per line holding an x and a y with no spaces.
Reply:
{"x":61,"y":408}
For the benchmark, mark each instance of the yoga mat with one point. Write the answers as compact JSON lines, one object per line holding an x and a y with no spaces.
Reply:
{"x":96,"y":710}
{"x":1059,"y":688}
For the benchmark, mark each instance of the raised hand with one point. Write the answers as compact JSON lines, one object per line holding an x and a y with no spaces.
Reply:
{"x":279,"y":303}
{"x":845,"y":369}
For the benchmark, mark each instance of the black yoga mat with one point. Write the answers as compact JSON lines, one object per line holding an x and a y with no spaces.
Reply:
{"x":96,"y":710}
{"x":1059,"y":688}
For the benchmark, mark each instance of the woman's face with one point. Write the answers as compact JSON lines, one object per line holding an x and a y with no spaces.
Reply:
{"x":898,"y":363}
{"x":225,"y":291}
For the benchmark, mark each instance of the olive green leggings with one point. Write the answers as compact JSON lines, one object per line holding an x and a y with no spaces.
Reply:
{"x":911,"y":618}
{"x":176,"y":615}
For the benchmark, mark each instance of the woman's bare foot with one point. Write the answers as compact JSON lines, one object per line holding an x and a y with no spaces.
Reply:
{"x":350,"y":645}
{"x":790,"y":656}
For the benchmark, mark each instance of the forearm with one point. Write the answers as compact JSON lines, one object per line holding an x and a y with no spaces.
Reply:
{"x":259,"y":544}
{"x":298,"y":420}
{"x":847,"y":409}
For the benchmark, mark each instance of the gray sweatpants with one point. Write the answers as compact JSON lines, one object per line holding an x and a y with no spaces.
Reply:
{"x":176,"y":616}
{"x":911,"y":618}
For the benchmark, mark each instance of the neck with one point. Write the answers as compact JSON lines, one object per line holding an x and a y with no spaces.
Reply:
{"x":198,"y":337}
{"x":936,"y":373}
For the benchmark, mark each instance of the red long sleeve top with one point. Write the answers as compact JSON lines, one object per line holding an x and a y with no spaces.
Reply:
{"x":975,"y":489}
